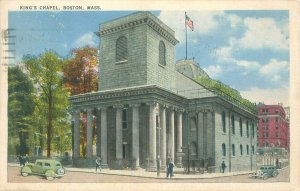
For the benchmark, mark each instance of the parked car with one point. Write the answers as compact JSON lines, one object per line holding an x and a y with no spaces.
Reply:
{"x":44,"y":167}
{"x":265,"y":172}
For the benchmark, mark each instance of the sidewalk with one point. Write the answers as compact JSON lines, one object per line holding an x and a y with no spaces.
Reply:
{"x":142,"y":173}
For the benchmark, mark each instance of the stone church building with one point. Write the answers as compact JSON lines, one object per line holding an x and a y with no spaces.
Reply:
{"x":149,"y":108}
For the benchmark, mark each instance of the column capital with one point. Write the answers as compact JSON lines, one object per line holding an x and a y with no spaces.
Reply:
{"x":88,"y":110}
{"x":118,"y":106}
{"x":135,"y":105}
{"x":151,"y":103}
{"x":99,"y":108}
{"x":163,"y":105}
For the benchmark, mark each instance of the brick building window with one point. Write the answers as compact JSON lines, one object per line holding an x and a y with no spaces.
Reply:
{"x":233,"y":149}
{"x":162,"y":53}
{"x":241,"y":127}
{"x":277,"y":134}
{"x":277,"y":127}
{"x":121,"y":49}
{"x":223,"y":150}
{"x":241,"y":150}
{"x":277,"y":119}
{"x":232,"y":124}
{"x":266,"y":127}
{"x":224,"y":122}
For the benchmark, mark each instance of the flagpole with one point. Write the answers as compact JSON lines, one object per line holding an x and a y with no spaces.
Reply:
{"x":185,"y":36}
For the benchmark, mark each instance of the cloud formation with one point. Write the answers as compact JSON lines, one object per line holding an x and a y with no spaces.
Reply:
{"x":87,"y":39}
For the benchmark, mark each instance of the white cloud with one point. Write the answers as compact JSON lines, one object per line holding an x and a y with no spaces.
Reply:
{"x":204,"y":22}
{"x":213,"y":70}
{"x":86,"y":39}
{"x":274,"y":67}
{"x":268,"y":96}
{"x":234,"y":20}
{"x":264,"y":33}
{"x":249,"y":65}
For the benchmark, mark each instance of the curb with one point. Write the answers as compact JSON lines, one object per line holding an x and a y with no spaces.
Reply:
{"x":153,"y":177}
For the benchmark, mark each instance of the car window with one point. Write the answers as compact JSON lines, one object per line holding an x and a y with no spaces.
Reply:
{"x":39,"y":164}
{"x":58,"y":164}
{"x":47,"y":164}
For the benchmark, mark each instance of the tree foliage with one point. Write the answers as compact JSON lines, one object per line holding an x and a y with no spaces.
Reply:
{"x":81,"y":71}
{"x":51,"y":96}
{"x":226,"y":91}
{"x":20,"y":106}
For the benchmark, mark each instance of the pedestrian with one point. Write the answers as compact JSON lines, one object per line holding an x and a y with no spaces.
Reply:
{"x":98,"y":164}
{"x":170,"y":169}
{"x":20,"y":160}
{"x":223,"y":166}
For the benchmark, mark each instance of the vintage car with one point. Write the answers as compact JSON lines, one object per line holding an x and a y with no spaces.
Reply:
{"x":265,"y":172}
{"x":44,"y":167}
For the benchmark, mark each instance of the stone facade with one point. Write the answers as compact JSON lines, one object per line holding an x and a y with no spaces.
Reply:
{"x":146,"y":111}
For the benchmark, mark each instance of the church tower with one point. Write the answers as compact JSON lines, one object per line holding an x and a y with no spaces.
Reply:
{"x":136,"y":50}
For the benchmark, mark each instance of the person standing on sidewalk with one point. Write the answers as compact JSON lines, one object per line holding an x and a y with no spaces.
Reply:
{"x":223,"y":166}
{"x":170,"y":169}
{"x":98,"y":164}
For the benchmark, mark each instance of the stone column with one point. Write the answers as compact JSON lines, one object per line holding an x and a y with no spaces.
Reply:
{"x":152,"y":137}
{"x":210,"y":135}
{"x":119,"y":136}
{"x":104,"y":137}
{"x":163,"y":142}
{"x":171,"y":135}
{"x":135,"y":136}
{"x":89,"y":129}
{"x":179,"y":138}
{"x":76,"y":135}
{"x":200,"y":135}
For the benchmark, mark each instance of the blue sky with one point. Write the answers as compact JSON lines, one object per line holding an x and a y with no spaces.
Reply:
{"x":248,"y":50}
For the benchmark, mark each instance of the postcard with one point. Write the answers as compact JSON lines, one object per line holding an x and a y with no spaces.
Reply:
{"x":149,"y":95}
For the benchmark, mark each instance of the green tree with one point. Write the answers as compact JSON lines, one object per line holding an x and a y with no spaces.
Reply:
{"x":51,"y":101}
{"x":20,"y":106}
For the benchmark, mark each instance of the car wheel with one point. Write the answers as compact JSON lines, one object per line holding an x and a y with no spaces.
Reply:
{"x":275,"y":174}
{"x":61,"y":171}
{"x":24,"y":174}
{"x":49,"y":175}
{"x":265,"y":176}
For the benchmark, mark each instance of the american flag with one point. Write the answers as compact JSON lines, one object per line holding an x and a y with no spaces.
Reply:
{"x":189,"y":22}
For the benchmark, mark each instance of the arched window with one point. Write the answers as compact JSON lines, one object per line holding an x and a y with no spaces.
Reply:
{"x":162,"y":53}
{"x":223,"y":150}
{"x":121,"y":49}
{"x":232,"y":124}
{"x":224,"y":122}
{"x":241,"y":127}
{"x":193,"y":123}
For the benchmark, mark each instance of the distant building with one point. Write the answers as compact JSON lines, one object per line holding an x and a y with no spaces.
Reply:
{"x":273,"y":127}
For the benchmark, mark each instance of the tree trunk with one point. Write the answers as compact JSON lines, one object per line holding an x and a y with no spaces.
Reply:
{"x":49,"y":128}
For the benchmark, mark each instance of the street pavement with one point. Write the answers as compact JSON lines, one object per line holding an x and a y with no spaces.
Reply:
{"x":178,"y":173}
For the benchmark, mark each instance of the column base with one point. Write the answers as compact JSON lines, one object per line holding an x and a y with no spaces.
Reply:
{"x":118,"y":164}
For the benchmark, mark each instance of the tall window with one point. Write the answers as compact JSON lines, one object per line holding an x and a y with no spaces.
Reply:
{"x":247,"y":149}
{"x":124,"y":118}
{"x":233,"y":149}
{"x":223,"y":150}
{"x":162,"y":53}
{"x":232,"y":124}
{"x":241,"y":150}
{"x":247,"y":129}
{"x":252,"y":129}
{"x":252,"y":149}
{"x":241,"y":127}
{"x":224,"y":122}
{"x":121,"y":49}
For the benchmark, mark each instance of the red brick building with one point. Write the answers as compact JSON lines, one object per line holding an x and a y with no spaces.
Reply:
{"x":273,"y":127}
